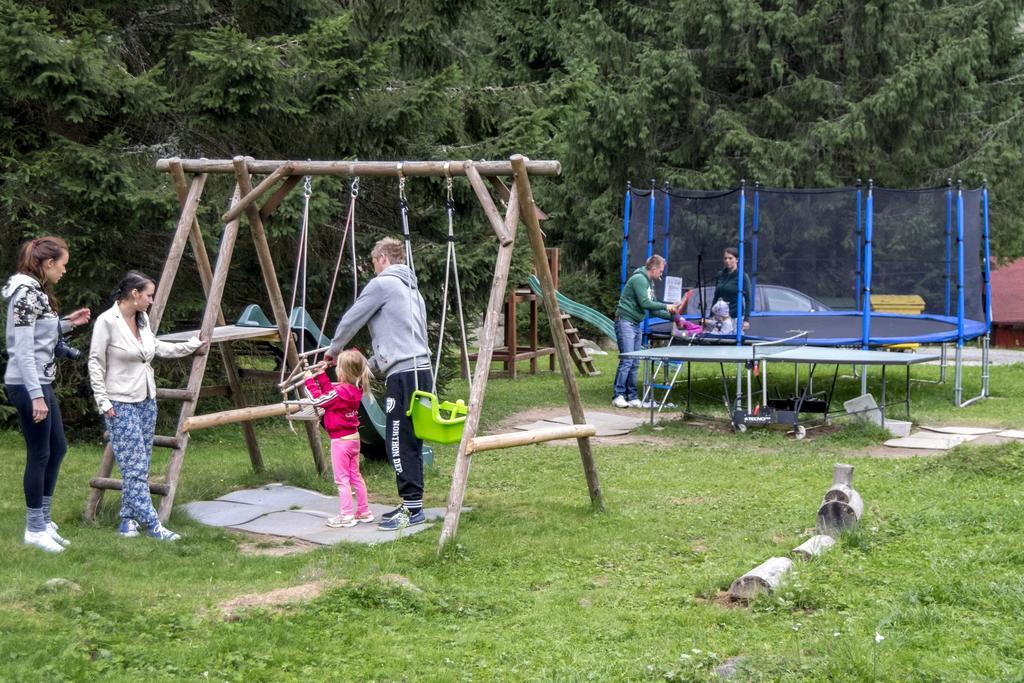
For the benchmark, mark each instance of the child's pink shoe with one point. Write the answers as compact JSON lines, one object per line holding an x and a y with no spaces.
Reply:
{"x":365,"y":517}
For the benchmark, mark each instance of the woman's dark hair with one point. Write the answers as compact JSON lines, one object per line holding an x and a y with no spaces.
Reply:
{"x":133,"y":279}
{"x":34,"y":253}
{"x":732,"y":251}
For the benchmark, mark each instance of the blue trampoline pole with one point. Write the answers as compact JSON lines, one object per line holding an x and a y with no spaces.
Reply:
{"x":869,"y":229}
{"x":739,"y":270}
{"x":985,"y":268}
{"x":958,"y":388}
{"x":650,"y":253}
{"x":869,"y":224}
{"x":959,"y":264}
{"x":949,"y":242}
{"x":625,"y":236}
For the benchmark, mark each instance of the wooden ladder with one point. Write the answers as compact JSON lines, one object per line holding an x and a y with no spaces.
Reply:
{"x":214,"y":329}
{"x":577,"y":349}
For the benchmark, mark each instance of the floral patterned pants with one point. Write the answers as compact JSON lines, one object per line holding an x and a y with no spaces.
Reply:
{"x":131,"y":434}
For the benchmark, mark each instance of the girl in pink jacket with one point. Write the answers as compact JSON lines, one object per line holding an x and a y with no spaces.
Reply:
{"x":341,"y":420}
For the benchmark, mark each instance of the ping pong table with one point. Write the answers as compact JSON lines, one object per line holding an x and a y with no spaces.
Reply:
{"x":755,"y":358}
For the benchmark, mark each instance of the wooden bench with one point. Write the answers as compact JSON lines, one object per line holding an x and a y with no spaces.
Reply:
{"x":909,"y":304}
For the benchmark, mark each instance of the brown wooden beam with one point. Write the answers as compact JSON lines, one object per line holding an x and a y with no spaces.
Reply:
{"x":361,"y":168}
{"x":173,"y":260}
{"x":540,"y":262}
{"x":460,"y":476}
{"x":278,"y":196}
{"x":490,"y":210}
{"x":257,"y":192}
{"x":227,"y":354}
{"x":269,"y":273}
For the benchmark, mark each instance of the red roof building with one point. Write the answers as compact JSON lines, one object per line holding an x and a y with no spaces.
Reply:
{"x":1008,"y":305}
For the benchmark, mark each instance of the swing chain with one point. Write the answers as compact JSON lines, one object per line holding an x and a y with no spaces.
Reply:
{"x":401,"y":189}
{"x":307,"y":187}
{"x":449,"y":185}
{"x":355,"y":187}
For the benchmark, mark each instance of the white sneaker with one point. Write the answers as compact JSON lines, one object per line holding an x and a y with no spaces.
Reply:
{"x":51,"y":529}
{"x":620,"y":402}
{"x":42,"y":540}
{"x":636,"y":403}
{"x":342,"y":521}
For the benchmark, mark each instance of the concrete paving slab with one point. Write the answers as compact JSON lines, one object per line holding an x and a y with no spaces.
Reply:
{"x":969,"y":431}
{"x":291,"y":512}
{"x":283,"y":523}
{"x":604,"y":428}
{"x":223,"y":512}
{"x":936,"y":442}
{"x":1011,"y":434}
{"x":530,"y":426}
{"x":599,"y":419}
{"x":277,"y":496}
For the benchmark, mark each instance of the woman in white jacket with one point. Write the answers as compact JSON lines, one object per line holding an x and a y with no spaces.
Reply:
{"x":121,"y":374}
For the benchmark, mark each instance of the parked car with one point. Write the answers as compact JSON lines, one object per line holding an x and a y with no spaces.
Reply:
{"x":767,"y":299}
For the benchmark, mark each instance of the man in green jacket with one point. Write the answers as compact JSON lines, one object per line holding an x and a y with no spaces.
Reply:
{"x":636,"y":302}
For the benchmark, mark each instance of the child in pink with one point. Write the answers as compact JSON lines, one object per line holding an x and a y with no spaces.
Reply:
{"x":341,"y":421}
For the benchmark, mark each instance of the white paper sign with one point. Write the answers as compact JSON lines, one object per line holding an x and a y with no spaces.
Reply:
{"x":673,"y":288}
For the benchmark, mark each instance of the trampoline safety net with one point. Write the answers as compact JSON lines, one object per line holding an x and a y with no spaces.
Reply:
{"x":806,"y":250}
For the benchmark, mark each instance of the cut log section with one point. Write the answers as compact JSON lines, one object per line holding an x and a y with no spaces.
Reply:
{"x":238,"y":415}
{"x":840,"y":510}
{"x":842,"y":475}
{"x":814,"y":546}
{"x":495,"y":441}
{"x":765,"y":577}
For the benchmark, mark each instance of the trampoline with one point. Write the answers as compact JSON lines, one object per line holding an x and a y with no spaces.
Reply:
{"x":842,"y":247}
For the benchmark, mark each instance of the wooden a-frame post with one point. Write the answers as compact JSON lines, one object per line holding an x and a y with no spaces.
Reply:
{"x":520,"y":206}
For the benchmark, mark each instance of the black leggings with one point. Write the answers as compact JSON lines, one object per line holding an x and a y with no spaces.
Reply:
{"x":44,"y":443}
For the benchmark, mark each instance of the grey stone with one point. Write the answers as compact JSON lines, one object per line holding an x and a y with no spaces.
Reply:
{"x":59,"y":584}
{"x":728,"y":668}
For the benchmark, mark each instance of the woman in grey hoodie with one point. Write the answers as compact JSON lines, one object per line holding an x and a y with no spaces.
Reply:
{"x":33,"y":330}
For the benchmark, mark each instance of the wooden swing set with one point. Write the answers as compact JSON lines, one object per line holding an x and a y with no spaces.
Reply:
{"x":282,"y":177}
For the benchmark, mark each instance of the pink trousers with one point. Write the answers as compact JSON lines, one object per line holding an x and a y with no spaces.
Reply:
{"x":345,"y":462}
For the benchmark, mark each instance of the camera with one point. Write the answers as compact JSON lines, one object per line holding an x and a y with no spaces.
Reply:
{"x":64,"y":350}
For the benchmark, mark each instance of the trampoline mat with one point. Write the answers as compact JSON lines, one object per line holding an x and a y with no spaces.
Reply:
{"x":843,"y":330}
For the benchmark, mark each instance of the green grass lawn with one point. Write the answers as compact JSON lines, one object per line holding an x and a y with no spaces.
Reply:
{"x":537,"y":585}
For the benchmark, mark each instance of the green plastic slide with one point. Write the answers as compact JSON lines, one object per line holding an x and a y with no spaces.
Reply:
{"x":301,"y":322}
{"x":577,"y":310}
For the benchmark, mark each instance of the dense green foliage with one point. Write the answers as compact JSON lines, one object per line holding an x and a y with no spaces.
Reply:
{"x":697,"y":93}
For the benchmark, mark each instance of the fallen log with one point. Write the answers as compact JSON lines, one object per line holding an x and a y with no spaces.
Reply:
{"x":814,"y":546}
{"x":842,"y":474}
{"x":765,"y":577}
{"x":840,"y":510}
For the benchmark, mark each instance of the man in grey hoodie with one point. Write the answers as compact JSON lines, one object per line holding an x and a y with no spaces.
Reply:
{"x":392,"y":308}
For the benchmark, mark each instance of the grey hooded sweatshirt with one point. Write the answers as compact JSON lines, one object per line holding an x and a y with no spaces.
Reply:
{"x":32,"y":332}
{"x":391,"y":306}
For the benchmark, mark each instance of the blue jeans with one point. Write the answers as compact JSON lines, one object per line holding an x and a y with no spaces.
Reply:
{"x":629,"y":337}
{"x":131,"y":435}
